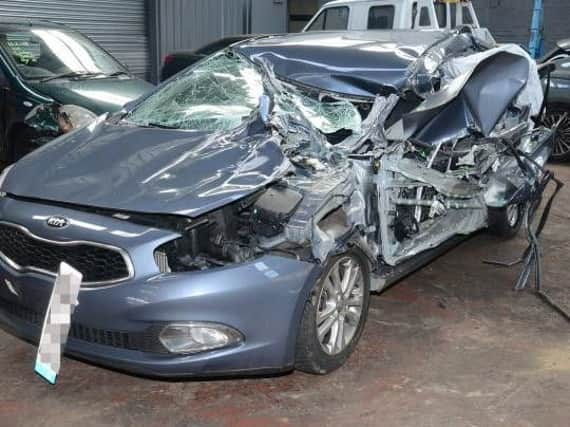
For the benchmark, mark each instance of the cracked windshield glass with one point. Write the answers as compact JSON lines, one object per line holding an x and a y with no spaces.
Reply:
{"x":223,"y":91}
{"x":216,"y":95}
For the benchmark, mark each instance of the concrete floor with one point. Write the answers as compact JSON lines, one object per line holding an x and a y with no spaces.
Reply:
{"x":451,"y":345}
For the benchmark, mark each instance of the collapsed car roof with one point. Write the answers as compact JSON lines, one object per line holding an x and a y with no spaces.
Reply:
{"x":364,"y":63}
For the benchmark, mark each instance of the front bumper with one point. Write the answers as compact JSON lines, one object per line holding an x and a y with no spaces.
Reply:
{"x":117,"y":326}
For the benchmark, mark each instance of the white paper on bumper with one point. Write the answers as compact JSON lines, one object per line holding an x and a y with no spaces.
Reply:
{"x":57,"y":322}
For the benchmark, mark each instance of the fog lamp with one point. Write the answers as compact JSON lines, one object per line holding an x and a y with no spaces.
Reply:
{"x":198,"y":337}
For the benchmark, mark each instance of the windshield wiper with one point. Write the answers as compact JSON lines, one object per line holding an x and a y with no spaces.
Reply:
{"x":72,"y":74}
{"x":118,"y":73}
{"x":161,"y":126}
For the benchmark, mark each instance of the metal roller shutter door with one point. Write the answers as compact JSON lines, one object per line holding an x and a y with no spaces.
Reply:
{"x":119,"y":26}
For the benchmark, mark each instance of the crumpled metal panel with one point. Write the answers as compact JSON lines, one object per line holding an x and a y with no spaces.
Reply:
{"x":474,"y":100}
{"x":508,"y":184}
{"x":456,"y":218}
{"x":351,"y":63}
{"x":149,"y":170}
{"x":446,"y":184}
{"x":531,"y":95}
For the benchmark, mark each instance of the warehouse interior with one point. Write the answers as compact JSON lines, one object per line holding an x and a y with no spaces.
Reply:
{"x":475,"y":334}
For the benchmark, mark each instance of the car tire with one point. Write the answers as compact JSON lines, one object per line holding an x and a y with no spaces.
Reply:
{"x":333,"y":311}
{"x":559,"y":114}
{"x":506,"y":222}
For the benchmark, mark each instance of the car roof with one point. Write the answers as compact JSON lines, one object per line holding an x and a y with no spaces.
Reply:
{"x":347,"y":40}
{"x":356,"y":63}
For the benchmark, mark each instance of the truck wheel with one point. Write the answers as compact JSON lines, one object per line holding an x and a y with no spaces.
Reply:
{"x":559,"y":115}
{"x":506,"y":222}
{"x":334,"y":317}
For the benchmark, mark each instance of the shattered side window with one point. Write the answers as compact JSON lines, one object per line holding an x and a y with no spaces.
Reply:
{"x":217,"y":95}
{"x":328,"y":117}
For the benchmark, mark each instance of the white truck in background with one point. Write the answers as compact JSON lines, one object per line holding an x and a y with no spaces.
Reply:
{"x":360,"y":15}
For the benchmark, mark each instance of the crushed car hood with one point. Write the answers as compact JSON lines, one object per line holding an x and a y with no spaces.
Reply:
{"x":351,"y":63}
{"x":148,"y":170}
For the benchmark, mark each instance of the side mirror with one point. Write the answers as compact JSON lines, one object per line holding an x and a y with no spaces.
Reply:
{"x":265,"y":109}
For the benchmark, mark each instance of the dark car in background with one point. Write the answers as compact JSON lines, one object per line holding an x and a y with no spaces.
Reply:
{"x":54,"y":79}
{"x":177,"y":61}
{"x":558,"y":107}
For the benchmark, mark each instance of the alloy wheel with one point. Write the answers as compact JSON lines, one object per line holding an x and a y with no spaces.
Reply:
{"x":560,"y":119}
{"x":340,"y":305}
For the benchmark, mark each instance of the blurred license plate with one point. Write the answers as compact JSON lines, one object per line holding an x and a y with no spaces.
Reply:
{"x":57,"y":322}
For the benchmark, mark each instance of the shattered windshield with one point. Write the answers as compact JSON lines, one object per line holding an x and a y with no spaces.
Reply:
{"x":223,"y":91}
{"x":217,"y":95}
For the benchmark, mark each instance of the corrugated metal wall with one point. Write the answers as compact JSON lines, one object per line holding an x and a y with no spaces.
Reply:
{"x":509,"y":20}
{"x":270,"y":16}
{"x":120,"y":26}
{"x":190,"y":24}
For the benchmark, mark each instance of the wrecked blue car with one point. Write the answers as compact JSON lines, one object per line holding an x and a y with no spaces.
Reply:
{"x":237,"y":219}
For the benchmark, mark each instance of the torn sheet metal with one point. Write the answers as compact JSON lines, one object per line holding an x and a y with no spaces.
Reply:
{"x":443,"y":183}
{"x":532,"y":93}
{"x":57,"y":322}
{"x":403,"y":236}
{"x":471,"y":98}
{"x":509,"y":184}
{"x":372,"y":128}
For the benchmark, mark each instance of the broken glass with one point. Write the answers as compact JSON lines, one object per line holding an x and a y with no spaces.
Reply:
{"x":217,"y":95}
{"x":328,"y":117}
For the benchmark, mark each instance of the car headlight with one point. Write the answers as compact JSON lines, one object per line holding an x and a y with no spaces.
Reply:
{"x":3,"y":176}
{"x":198,"y":337}
{"x":74,"y":117}
{"x":431,"y":62}
{"x":59,"y":118}
{"x":426,"y":78}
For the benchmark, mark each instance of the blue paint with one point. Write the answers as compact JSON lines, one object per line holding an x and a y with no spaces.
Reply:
{"x":45,"y":372}
{"x":536,"y":45}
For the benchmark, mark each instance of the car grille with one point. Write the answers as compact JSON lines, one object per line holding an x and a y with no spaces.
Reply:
{"x":146,"y":341}
{"x":98,"y":264}
{"x":26,"y":314}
